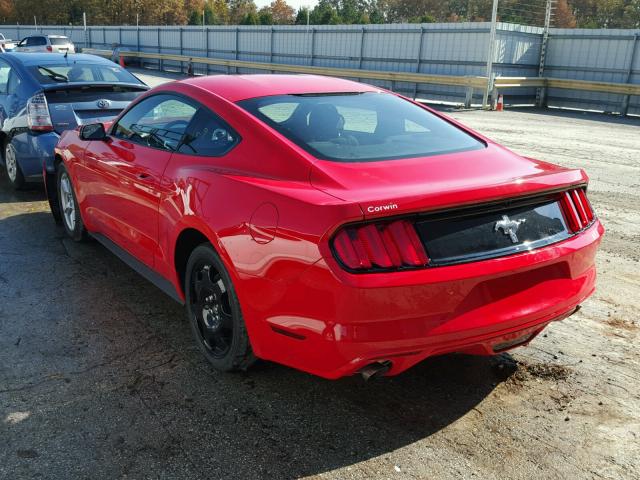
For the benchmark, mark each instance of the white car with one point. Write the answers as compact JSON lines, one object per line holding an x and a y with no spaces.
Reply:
{"x":6,"y":44}
{"x":46,"y":43}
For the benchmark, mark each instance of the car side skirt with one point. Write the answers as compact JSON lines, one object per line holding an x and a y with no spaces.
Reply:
{"x":158,"y":280}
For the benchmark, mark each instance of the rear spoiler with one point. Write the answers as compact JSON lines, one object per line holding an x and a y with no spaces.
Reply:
{"x":90,"y":85}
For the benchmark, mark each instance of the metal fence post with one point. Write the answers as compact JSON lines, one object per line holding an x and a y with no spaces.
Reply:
{"x":418,"y":61}
{"x":468,"y":97}
{"x":160,"y":65}
{"x":120,"y":36}
{"x":362,"y":33}
{"x":271,"y":48}
{"x":313,"y":44}
{"x":624,"y":109}
{"x":181,"y":50}
{"x":237,"y":53}
{"x":206,"y":46}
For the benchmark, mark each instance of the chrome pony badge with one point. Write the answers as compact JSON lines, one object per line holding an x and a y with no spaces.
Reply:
{"x":509,"y":227}
{"x":103,"y":103}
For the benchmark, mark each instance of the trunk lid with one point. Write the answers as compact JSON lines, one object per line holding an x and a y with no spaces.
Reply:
{"x":75,"y":104}
{"x":395,"y":187}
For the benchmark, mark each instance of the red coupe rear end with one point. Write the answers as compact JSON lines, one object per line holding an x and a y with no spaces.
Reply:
{"x":348,"y":229}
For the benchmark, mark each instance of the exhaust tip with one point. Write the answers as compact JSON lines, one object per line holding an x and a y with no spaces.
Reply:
{"x":375,"y":370}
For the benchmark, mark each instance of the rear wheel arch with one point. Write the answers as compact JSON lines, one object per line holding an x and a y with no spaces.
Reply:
{"x":51,"y":185}
{"x":3,"y":141}
{"x":186,"y":242}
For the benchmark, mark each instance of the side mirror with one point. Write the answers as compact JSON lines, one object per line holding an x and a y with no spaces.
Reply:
{"x":93,"y":131}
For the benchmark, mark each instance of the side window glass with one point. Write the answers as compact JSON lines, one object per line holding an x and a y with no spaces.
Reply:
{"x":159,"y":121}
{"x":5,"y":70}
{"x":13,"y":83}
{"x":208,"y":135}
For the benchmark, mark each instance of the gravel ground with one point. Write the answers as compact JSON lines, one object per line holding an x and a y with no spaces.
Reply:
{"x":99,"y":377}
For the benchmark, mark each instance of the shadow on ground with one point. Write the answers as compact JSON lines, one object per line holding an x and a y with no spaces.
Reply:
{"x":99,"y":377}
{"x":32,"y":192}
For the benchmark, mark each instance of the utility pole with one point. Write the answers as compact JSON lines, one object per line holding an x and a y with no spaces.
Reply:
{"x":490,"y":54}
{"x":35,"y":22}
{"x":86,"y":34}
{"x":541,"y":92}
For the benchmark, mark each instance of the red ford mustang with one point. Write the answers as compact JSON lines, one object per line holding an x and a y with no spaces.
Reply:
{"x":329,"y":225}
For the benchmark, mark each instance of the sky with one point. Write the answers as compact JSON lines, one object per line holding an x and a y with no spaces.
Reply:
{"x":296,"y":4}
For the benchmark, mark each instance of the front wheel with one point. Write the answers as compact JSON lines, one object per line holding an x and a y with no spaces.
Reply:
{"x":68,"y":205}
{"x":214,"y":312}
{"x":16,"y":178}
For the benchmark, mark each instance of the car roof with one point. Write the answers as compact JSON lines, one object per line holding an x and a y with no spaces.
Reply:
{"x":241,"y":87}
{"x":45,"y":35}
{"x":29,"y":59}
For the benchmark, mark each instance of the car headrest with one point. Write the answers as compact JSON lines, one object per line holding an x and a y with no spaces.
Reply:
{"x":325,"y":122}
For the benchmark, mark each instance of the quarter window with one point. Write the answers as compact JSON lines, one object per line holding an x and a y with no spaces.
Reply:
{"x":159,"y":121}
{"x":208,"y":135}
{"x":5,"y":71}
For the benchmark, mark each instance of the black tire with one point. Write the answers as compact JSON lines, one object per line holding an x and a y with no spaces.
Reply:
{"x":214,"y":312}
{"x":68,"y":205}
{"x":14,"y":173}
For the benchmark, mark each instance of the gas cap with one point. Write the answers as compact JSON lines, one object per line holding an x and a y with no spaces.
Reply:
{"x":264,"y":223}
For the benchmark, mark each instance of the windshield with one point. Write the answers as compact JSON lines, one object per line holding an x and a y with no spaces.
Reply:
{"x":360,"y":127}
{"x":81,"y":72}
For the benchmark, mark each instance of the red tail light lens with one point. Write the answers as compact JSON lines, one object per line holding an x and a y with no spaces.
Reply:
{"x":49,"y":48}
{"x":577,"y":209}
{"x":380,"y":246}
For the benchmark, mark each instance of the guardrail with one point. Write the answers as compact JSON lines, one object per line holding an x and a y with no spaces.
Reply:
{"x":471,"y":83}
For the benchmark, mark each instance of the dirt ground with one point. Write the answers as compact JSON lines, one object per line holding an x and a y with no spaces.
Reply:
{"x":99,"y":377}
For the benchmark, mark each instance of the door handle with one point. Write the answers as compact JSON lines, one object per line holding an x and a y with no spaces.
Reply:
{"x":143,"y":176}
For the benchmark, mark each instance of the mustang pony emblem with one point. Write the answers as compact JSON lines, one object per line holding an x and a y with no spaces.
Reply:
{"x":509,"y":227}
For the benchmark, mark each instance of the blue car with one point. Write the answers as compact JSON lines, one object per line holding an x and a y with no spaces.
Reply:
{"x":43,"y":94}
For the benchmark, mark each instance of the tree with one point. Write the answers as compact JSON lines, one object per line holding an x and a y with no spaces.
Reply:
{"x":250,"y":18}
{"x":564,"y":17}
{"x":282,"y":12}
{"x":324,"y":13}
{"x":632,"y":14}
{"x":265,"y":16}
{"x":303,"y":14}
{"x":219,"y":12}
{"x":240,"y":10}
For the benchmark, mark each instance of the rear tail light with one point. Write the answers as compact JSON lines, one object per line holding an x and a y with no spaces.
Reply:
{"x":49,"y":48}
{"x":577,"y":209}
{"x":380,"y":246}
{"x":38,"y":117}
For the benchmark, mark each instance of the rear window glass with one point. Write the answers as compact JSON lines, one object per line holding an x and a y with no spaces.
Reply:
{"x":59,"y":40}
{"x":74,"y":72}
{"x":360,"y":127}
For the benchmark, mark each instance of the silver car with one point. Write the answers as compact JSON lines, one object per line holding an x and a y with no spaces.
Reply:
{"x":46,"y":43}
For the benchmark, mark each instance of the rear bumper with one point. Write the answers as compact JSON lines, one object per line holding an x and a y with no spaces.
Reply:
{"x":34,"y":152}
{"x":332,"y":323}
